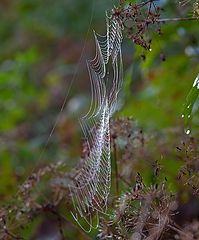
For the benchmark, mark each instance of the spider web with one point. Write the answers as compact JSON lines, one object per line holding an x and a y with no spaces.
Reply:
{"x":91,"y":185}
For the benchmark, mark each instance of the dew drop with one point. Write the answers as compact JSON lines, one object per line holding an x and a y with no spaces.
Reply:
{"x":150,"y":49}
{"x":182,"y":116}
{"x":187,"y":131}
{"x":189,"y":116}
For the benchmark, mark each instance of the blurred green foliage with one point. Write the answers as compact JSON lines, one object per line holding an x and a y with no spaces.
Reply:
{"x":160,"y":88}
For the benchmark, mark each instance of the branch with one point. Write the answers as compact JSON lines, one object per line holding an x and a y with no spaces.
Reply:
{"x":177,"y":19}
{"x":116,"y":168}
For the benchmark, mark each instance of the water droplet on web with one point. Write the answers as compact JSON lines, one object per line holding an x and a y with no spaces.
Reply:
{"x":187,"y":131}
{"x":150,"y":49}
{"x":189,"y":116}
{"x":182,"y":116}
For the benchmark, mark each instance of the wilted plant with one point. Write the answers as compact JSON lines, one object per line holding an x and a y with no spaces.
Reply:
{"x":141,"y":213}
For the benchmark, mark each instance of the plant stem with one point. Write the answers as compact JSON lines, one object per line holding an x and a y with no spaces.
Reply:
{"x":180,"y":232}
{"x":116,"y":168}
{"x":124,"y":180}
{"x":177,"y":19}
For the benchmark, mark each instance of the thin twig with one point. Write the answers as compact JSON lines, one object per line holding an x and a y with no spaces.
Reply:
{"x":177,"y":19}
{"x":180,"y":232}
{"x":116,"y":169}
{"x":125,"y":181}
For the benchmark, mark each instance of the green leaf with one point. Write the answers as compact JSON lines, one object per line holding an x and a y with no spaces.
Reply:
{"x":188,"y":106}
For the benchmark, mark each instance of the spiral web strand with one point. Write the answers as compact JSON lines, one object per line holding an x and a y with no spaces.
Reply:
{"x":91,"y":185}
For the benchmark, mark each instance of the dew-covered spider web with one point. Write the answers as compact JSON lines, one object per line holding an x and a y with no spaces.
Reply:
{"x":91,"y":184}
